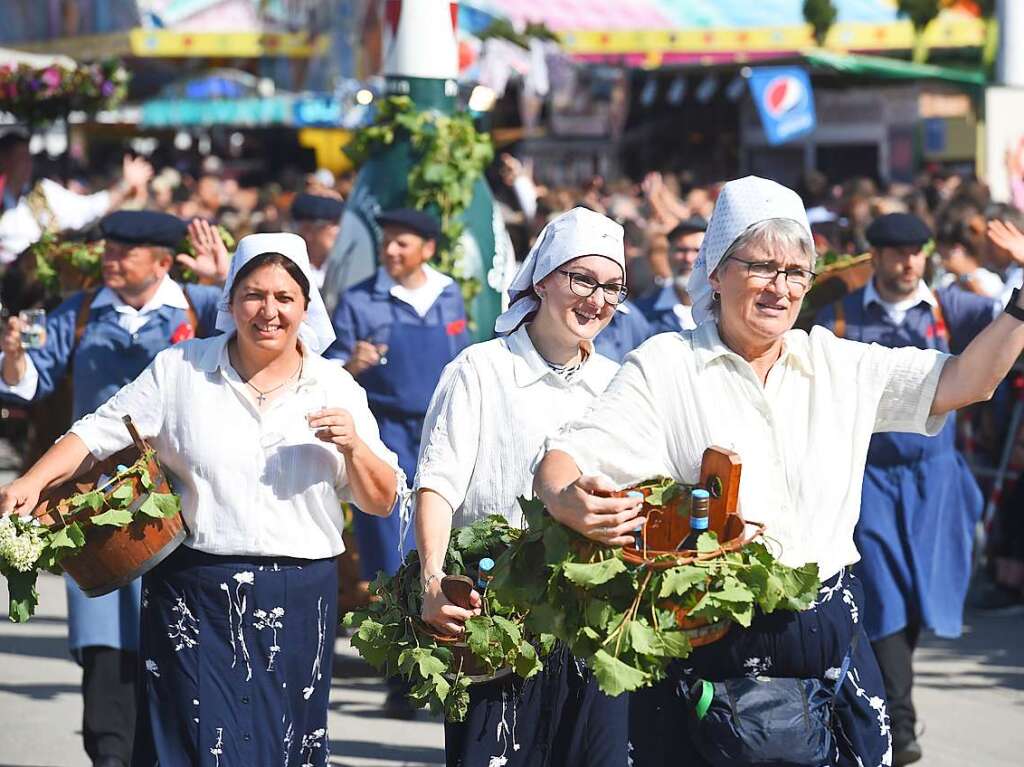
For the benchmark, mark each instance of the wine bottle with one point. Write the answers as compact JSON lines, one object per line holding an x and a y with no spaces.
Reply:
{"x":484,"y":576}
{"x":700,"y":502}
{"x":638,"y":535}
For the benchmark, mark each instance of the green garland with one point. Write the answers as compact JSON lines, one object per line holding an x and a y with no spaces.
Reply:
{"x":623,"y":619}
{"x":450,"y":156}
{"x":53,"y":255}
{"x":26,"y":546}
{"x":390,"y":635}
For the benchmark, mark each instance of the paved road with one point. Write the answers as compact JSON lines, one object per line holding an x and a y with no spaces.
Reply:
{"x":970,"y":694}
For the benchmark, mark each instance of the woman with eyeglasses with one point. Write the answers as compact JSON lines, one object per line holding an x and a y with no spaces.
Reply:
{"x":800,"y":410}
{"x":494,"y":407}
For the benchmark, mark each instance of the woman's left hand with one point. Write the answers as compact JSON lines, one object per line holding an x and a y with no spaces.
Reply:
{"x":337,"y":426}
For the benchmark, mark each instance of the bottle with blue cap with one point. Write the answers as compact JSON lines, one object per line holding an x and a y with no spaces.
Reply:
{"x":638,"y":531}
{"x":700,"y":508}
{"x":484,"y":574}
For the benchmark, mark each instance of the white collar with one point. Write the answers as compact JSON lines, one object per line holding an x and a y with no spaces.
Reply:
{"x":169,"y":293}
{"x":530,"y":367}
{"x":213,"y":356}
{"x":923,"y":293}
{"x":709,"y":346}
{"x":435,"y":281}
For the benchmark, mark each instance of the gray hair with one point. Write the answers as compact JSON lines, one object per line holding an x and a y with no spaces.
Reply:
{"x":774,"y":235}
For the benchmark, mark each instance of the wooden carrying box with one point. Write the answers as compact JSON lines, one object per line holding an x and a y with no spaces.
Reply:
{"x":114,"y":556}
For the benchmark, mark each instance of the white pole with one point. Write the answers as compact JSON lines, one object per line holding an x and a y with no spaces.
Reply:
{"x":1010,"y":62}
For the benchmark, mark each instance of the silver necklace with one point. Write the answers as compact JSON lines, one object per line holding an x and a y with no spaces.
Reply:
{"x":261,"y":395}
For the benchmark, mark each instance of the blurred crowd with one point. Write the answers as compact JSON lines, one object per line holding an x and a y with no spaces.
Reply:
{"x":978,"y":246}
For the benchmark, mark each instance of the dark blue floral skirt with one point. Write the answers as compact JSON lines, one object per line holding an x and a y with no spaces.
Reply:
{"x":558,"y":718}
{"x":806,"y":644}
{"x":236,"y":655}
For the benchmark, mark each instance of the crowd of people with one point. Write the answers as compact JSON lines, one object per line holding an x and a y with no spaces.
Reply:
{"x":665,"y":303}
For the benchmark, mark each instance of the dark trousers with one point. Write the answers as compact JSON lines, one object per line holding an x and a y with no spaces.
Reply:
{"x":895,"y":659}
{"x":108,"y":692}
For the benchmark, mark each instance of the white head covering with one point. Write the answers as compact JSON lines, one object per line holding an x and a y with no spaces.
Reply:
{"x":575,"y":233}
{"x":741,"y":203}
{"x":316,"y":331}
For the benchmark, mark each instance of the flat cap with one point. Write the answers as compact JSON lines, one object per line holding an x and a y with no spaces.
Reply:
{"x":144,"y":227}
{"x":898,"y":230}
{"x":418,"y":221}
{"x":314,"y":207}
{"x":689,"y":226}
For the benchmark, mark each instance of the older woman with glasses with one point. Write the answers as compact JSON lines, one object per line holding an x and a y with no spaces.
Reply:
{"x":800,"y":410}
{"x":495,"y":405}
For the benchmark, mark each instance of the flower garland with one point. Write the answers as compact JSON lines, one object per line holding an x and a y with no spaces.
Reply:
{"x":451,"y":156}
{"x":27,"y":546}
{"x":35,"y":96}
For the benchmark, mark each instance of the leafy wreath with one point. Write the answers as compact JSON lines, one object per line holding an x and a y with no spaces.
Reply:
{"x":27,"y":546}
{"x":451,"y":155}
{"x":36,"y":96}
{"x":390,"y":635}
{"x":629,"y":621}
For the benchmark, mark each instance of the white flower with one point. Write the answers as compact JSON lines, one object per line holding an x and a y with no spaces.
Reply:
{"x":152,"y":668}
{"x":246,"y":576}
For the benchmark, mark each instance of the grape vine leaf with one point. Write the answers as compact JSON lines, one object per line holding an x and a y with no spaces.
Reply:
{"x":113,"y":518}
{"x":614,"y":676}
{"x":595,"y":573}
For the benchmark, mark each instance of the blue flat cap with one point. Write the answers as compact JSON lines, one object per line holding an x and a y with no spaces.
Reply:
{"x":418,"y":221}
{"x":898,"y":230}
{"x":313,"y":207}
{"x":144,"y":227}
{"x":689,"y":226}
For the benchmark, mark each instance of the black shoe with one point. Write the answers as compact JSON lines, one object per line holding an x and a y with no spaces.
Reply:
{"x":906,"y":754}
{"x":997,"y":600}
{"x":396,"y":704}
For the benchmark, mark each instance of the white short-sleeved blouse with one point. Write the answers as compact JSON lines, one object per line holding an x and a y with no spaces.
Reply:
{"x":495,"y":405}
{"x":251,"y":483}
{"x":802,"y":436}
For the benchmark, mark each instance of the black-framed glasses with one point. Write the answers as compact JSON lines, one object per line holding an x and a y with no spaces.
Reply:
{"x":584,"y":286}
{"x":768,"y":271}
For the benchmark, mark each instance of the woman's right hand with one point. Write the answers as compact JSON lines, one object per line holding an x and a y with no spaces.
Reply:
{"x":585,"y":506}
{"x":444,"y":616}
{"x":20,"y":497}
{"x":10,"y":339}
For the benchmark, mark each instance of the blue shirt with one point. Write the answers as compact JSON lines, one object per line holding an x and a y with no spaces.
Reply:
{"x":626,"y":331}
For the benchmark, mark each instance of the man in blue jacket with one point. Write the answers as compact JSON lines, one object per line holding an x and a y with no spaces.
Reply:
{"x":104,"y":339}
{"x":668,"y":309}
{"x":920,"y":502}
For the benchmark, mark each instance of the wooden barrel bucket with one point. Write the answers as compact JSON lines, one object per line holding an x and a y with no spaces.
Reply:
{"x":114,"y":556}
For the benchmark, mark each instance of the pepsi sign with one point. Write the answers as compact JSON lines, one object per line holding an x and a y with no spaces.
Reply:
{"x":785,"y":102}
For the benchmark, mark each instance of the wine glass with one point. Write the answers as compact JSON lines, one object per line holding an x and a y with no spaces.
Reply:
{"x":380,"y":337}
{"x":33,"y":328}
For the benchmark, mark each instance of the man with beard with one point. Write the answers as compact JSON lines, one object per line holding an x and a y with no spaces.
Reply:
{"x":669,"y":309}
{"x":920,"y":502}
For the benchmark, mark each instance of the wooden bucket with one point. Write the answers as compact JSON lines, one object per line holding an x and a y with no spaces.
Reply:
{"x":114,"y":556}
{"x":669,"y":525}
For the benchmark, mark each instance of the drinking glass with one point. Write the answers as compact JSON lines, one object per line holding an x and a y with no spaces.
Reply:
{"x":33,"y":328}
{"x":380,"y":337}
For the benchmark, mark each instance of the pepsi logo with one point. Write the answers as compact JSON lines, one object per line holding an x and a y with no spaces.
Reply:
{"x":782,"y":94}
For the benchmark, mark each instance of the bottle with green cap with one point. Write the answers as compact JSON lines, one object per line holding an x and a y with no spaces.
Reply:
{"x":700,"y":508}
{"x":484,"y":574}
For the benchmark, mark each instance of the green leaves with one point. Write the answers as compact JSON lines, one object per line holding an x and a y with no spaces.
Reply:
{"x":679,"y":580}
{"x":615,"y":677}
{"x":21,"y":589}
{"x":160,"y":505}
{"x":594,"y":573}
{"x":113,"y":518}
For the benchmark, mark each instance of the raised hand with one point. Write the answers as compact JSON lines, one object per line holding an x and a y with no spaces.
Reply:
{"x":211,"y":261}
{"x":1005,"y":235}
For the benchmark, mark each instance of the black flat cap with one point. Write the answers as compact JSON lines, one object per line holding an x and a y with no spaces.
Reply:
{"x":898,"y":230}
{"x":689,"y":226}
{"x":418,"y":221}
{"x":313,"y":207}
{"x":144,"y":227}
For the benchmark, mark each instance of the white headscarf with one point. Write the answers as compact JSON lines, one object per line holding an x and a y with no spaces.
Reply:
{"x":316,"y":331}
{"x":575,"y":233}
{"x":741,"y":204}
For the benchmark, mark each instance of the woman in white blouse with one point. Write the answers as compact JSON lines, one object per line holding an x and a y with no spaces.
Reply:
{"x":800,"y":410}
{"x":492,"y":410}
{"x":263,"y":439}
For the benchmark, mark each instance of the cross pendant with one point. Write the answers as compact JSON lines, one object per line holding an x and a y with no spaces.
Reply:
{"x":260,"y":399}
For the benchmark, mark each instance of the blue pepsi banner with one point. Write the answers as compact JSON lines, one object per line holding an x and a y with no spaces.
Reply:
{"x":785,"y":102}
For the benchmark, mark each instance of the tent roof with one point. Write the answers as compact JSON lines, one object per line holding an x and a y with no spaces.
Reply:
{"x":886,"y":68}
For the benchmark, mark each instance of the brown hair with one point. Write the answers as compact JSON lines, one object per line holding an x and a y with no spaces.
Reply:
{"x":271,"y":259}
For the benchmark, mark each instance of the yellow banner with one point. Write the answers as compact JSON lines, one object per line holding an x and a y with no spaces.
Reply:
{"x":655,"y":43}
{"x":165,"y":44}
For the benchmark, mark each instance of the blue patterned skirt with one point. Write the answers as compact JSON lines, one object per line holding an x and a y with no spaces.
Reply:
{"x":557,"y":718}
{"x":806,"y":644}
{"x":236,"y":655}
